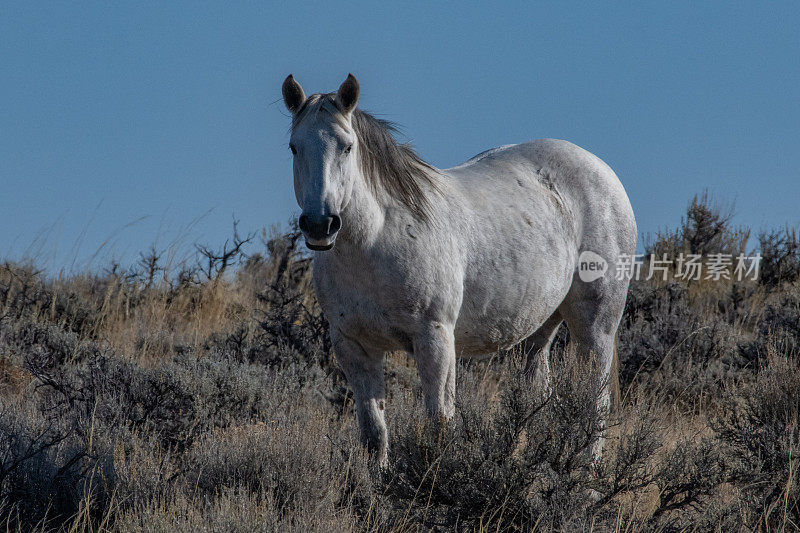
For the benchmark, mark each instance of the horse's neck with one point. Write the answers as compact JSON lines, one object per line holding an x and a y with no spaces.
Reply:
{"x":364,"y":217}
{"x":371,"y":218}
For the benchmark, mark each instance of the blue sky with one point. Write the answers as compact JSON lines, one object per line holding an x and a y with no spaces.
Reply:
{"x":123,"y":125}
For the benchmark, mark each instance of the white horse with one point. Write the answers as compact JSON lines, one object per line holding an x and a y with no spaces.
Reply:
{"x":462,"y":261}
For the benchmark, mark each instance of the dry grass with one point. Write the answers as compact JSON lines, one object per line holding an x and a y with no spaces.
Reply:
{"x":209,"y":400}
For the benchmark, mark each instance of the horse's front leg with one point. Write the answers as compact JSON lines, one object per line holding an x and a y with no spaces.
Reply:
{"x":435,"y":354}
{"x":364,"y":372}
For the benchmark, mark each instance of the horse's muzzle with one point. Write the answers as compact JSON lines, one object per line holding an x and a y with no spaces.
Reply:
{"x":319,"y":230}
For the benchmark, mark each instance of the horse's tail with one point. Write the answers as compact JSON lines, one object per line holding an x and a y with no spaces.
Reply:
{"x":614,"y":378}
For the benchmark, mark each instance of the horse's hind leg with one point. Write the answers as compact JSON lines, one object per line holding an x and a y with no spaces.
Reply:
{"x":364,"y":372}
{"x":435,"y":354}
{"x":537,"y":351}
{"x":593,"y":311}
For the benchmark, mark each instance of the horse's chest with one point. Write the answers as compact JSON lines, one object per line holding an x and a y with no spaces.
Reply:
{"x":369,"y":308}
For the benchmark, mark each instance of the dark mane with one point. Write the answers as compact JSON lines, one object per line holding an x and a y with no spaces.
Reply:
{"x":387,"y":164}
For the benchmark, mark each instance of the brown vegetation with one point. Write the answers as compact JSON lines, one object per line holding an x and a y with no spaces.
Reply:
{"x":209,"y":399}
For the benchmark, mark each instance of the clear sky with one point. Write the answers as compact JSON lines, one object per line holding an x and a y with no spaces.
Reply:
{"x":125,"y":124}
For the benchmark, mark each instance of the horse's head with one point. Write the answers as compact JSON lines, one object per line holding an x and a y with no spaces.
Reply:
{"x":324,"y":147}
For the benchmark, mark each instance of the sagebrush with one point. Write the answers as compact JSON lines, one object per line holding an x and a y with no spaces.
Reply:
{"x":208,"y":399}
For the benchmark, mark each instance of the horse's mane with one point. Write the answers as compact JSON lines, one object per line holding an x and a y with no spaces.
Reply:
{"x":387,"y":165}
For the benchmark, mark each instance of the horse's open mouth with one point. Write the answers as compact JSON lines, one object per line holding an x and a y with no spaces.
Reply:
{"x":319,"y":247}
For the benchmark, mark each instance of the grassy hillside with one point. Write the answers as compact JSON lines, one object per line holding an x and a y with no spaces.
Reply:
{"x":207,"y":398}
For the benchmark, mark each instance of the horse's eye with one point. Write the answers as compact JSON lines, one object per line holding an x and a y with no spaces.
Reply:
{"x":293,"y":149}
{"x":348,"y":148}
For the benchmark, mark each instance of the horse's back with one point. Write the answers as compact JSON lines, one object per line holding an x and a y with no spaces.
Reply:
{"x":589,"y":191}
{"x":553,"y":162}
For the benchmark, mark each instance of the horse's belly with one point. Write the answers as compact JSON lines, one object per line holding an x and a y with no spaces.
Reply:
{"x":483,"y":334}
{"x":496,"y":315}
{"x":495,"y":327}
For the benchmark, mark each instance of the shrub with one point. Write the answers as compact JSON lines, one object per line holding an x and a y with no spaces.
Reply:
{"x":780,"y":257}
{"x":707,"y":228}
{"x":40,"y":467}
{"x":759,"y":427}
{"x":671,"y":348}
{"x":162,"y":399}
{"x":523,"y":459}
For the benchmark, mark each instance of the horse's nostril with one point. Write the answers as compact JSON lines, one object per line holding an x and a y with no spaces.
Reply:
{"x":319,"y":226}
{"x":303,"y":223}
{"x":336,"y":223}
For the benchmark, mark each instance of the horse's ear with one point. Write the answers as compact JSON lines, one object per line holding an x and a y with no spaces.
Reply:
{"x":293,"y":95}
{"x":348,"y":94}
